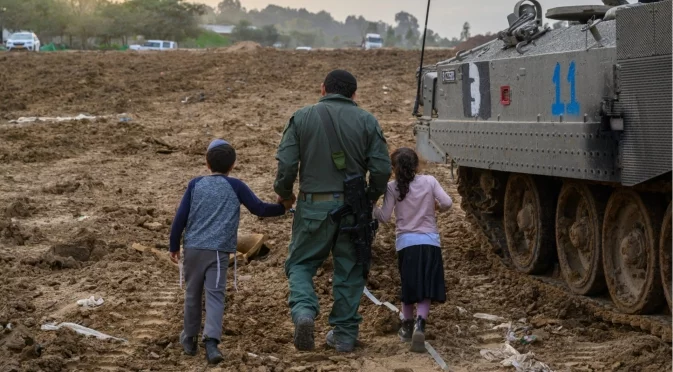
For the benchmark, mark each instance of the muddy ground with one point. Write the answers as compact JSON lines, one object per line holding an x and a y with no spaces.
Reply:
{"x":76,"y":195}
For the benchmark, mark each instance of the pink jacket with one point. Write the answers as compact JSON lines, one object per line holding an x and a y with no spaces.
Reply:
{"x":416,"y":213}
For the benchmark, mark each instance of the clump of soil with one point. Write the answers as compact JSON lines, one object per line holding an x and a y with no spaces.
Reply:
{"x":244,"y":46}
{"x":65,"y":187}
{"x":21,"y":207}
{"x":86,"y":247}
{"x":12,"y":233}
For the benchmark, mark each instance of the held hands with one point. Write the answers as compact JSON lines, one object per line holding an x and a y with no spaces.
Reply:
{"x":287,"y":203}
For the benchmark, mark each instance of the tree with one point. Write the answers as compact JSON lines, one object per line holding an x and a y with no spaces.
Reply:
{"x":390,"y":40}
{"x":372,"y":28}
{"x":230,"y":11}
{"x":167,"y":19}
{"x":465,"y":34}
{"x":269,"y":35}
{"x":407,"y":27}
{"x":411,"y":39}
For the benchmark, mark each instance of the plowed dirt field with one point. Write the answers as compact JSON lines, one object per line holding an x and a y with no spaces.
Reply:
{"x":76,"y":195}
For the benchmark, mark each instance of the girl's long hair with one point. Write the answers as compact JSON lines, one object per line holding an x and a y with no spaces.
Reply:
{"x":405,"y":167}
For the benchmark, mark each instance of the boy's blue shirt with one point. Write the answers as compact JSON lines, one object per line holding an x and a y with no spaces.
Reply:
{"x":210,"y":210}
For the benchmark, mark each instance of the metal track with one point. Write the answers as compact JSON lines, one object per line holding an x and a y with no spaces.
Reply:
{"x":657,"y":325}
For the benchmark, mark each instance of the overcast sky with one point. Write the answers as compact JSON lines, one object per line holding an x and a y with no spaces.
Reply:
{"x":446,"y":16}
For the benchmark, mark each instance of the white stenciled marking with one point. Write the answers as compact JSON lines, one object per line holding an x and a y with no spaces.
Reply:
{"x":474,"y":89}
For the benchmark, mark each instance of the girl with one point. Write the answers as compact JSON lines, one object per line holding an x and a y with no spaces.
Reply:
{"x":414,"y":198}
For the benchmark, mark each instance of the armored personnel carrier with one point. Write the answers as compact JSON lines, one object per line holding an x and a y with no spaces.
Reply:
{"x":562,"y":139}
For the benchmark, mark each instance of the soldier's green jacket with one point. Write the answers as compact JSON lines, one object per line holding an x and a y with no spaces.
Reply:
{"x":305,"y":142}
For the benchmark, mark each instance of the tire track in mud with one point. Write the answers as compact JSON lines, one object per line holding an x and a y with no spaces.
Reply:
{"x":143,"y":328}
{"x":656,"y":325}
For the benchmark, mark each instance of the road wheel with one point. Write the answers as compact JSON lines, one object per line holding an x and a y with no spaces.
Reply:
{"x":665,"y":246}
{"x":630,"y":254}
{"x":529,"y":223}
{"x":579,"y":216}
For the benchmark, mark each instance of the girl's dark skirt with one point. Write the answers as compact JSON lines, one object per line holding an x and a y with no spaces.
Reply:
{"x":422,"y":271}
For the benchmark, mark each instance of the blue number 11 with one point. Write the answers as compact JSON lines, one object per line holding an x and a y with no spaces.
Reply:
{"x":558,"y":107}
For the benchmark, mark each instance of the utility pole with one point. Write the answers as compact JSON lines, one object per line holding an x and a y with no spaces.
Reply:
{"x":2,"y":25}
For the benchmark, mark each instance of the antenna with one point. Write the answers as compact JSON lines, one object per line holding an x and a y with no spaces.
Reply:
{"x":420,"y":69}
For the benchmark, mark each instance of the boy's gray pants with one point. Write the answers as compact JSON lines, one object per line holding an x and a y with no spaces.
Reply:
{"x":203,"y":273}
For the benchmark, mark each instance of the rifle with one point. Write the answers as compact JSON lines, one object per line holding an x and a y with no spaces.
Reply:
{"x":363,"y":231}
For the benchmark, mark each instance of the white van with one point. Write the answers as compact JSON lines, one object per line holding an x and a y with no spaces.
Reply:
{"x":155,"y":45}
{"x":372,"y":41}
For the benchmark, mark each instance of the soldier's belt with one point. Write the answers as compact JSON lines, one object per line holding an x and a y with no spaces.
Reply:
{"x":321,"y":197}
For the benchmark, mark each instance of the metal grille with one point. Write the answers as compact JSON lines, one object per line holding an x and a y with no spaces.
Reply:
{"x":646,"y":104}
{"x":635,"y":32}
{"x":662,"y":22}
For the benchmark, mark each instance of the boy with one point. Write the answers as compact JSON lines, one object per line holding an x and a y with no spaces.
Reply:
{"x":209,"y":216}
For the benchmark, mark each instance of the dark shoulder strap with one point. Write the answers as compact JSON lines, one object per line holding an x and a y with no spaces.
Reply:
{"x":338,"y":155}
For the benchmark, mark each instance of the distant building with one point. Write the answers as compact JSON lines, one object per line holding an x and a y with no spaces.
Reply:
{"x":222,"y":29}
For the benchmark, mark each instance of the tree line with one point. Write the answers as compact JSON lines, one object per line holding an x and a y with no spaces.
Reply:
{"x":84,"y":23}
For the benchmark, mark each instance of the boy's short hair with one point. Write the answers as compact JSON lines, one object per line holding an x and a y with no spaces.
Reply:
{"x":221,"y":158}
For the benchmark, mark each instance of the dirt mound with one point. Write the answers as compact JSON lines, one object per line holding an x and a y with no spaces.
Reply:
{"x":13,"y":233}
{"x":21,"y":207}
{"x":85,"y":247}
{"x":244,"y":46}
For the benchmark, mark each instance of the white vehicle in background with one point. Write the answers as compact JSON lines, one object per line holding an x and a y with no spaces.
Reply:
{"x":156,"y":45}
{"x":23,"y":40}
{"x":372,"y":41}
{"x":304,"y":48}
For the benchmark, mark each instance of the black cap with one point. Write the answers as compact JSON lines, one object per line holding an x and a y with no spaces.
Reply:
{"x":342,"y":76}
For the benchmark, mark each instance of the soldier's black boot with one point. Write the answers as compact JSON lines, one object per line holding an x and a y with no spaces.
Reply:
{"x":304,"y":340}
{"x":418,"y":337}
{"x":406,"y":330}
{"x":189,"y":344}
{"x":213,"y":354}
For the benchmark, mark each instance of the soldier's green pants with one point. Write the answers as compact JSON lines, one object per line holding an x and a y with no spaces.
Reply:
{"x":312,"y":241}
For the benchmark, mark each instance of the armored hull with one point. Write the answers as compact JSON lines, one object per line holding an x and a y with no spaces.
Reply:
{"x":562,"y":141}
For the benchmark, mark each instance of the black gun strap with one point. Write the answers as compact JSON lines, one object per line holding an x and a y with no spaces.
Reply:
{"x":333,"y":139}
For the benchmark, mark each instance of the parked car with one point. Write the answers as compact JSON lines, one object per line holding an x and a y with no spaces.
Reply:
{"x":23,"y":41}
{"x":156,"y":45}
{"x":306,"y":48}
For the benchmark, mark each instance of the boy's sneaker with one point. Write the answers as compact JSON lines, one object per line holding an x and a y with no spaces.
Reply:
{"x":418,"y":337}
{"x":213,"y":354}
{"x":406,"y":330}
{"x":189,"y":344}
{"x":340,"y":347}
{"x":303,"y":333}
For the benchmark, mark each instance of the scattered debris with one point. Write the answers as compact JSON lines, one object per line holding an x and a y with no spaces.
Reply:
{"x":81,"y":330}
{"x":507,"y":325}
{"x":493,"y":318}
{"x":195,"y":98}
{"x":461,"y":310}
{"x":436,"y":357}
{"x":57,"y":119}
{"x":392,"y":307}
{"x":510,"y":357}
{"x":90,"y":302}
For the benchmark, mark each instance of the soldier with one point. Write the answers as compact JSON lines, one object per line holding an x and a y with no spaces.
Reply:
{"x":306,"y":142}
